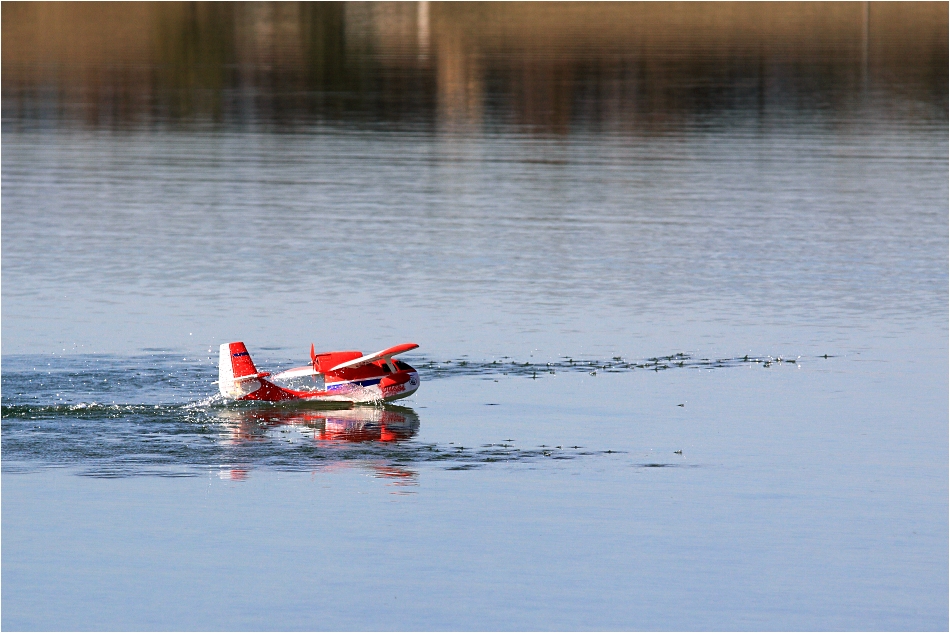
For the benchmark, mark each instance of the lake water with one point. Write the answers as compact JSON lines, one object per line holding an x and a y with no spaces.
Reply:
{"x":679,"y":280}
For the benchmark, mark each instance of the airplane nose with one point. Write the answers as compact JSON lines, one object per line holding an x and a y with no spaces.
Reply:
{"x":399,"y":378}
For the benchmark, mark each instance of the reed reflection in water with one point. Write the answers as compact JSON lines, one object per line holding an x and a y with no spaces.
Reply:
{"x":546,"y":67}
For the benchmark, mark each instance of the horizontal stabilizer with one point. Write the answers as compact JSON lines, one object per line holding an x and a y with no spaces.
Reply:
{"x":384,"y":354}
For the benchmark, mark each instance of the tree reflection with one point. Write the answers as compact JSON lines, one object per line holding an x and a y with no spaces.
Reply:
{"x":546,"y":68}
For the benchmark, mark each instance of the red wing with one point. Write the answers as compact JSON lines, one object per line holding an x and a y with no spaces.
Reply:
{"x":386,"y":353}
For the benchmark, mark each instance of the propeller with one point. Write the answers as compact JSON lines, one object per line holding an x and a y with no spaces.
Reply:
{"x":313,"y":357}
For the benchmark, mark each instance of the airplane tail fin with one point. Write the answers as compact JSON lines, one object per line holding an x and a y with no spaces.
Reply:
{"x":237,"y":375}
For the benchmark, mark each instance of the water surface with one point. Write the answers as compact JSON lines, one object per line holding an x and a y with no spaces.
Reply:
{"x":679,"y":278}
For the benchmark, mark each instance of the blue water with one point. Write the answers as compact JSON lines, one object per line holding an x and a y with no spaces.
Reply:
{"x":677,"y":373}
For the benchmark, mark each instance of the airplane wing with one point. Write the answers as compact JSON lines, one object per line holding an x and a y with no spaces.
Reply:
{"x":386,"y":354}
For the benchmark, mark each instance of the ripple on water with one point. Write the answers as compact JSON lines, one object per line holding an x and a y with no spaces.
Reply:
{"x":57,"y":416}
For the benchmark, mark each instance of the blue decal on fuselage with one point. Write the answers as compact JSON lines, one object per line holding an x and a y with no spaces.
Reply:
{"x":359,"y":383}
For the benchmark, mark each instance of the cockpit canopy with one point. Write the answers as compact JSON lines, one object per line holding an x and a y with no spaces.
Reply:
{"x":300,"y":379}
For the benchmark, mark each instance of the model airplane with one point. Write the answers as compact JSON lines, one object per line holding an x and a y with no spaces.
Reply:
{"x":330,"y":377}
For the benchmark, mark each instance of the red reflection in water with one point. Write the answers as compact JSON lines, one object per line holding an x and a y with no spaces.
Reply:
{"x":354,"y":425}
{"x":237,"y":474}
{"x":359,"y":424}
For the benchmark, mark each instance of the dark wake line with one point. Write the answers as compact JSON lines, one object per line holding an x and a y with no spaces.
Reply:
{"x":434,"y":370}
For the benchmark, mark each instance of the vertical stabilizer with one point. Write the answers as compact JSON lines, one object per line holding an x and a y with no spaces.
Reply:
{"x":237,"y":375}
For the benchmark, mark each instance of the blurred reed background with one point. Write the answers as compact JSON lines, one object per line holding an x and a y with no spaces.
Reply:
{"x":543,"y":67}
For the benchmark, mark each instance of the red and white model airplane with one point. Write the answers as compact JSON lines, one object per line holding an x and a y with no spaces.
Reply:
{"x":330,"y":377}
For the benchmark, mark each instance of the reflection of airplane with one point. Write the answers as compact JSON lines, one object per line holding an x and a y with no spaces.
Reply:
{"x":330,"y":377}
{"x":359,"y":424}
